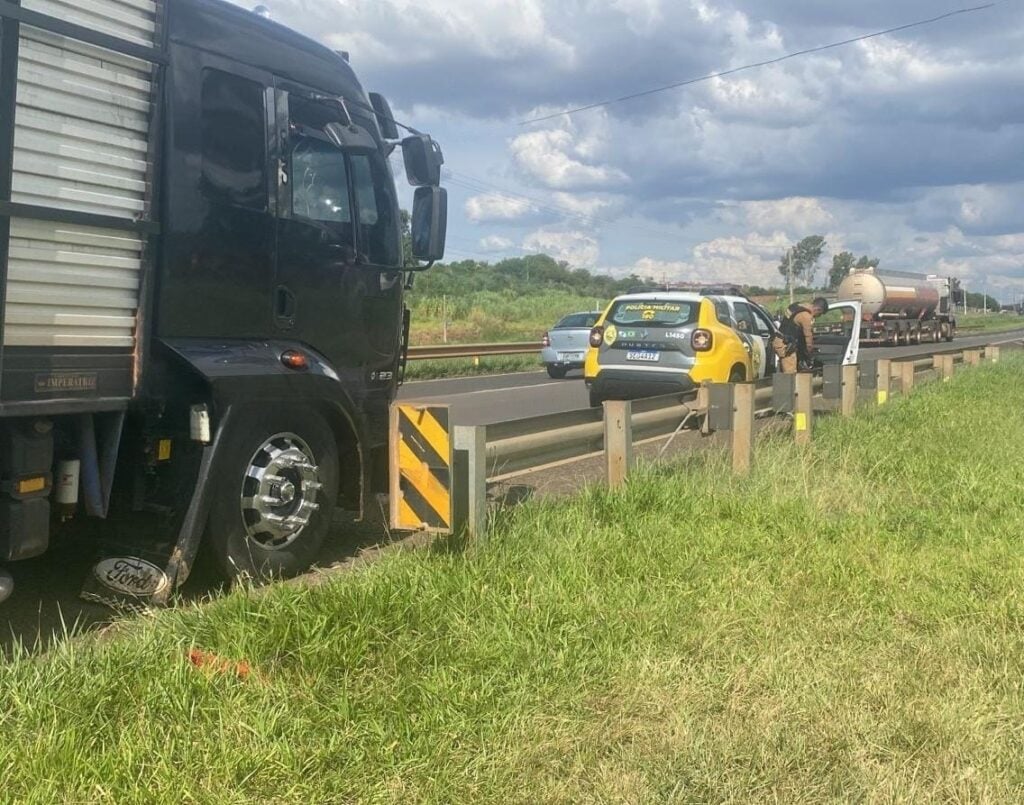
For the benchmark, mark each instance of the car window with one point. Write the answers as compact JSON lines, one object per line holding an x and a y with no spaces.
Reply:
{"x":744,"y":318}
{"x":761,"y":320}
{"x":722,"y":312}
{"x":653,"y":312}
{"x":577,"y":321}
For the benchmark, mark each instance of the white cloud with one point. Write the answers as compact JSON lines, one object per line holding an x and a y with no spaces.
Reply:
{"x":583,"y":205}
{"x":495,"y":243}
{"x":909,"y":147}
{"x":500,"y":30}
{"x":799,"y":214}
{"x":497,"y":207}
{"x":578,"y":249}
{"x":555,"y":159}
{"x":750,"y":260}
{"x":642,"y":16}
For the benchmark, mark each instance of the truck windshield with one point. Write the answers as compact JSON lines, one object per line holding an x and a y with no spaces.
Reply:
{"x":654,"y":312}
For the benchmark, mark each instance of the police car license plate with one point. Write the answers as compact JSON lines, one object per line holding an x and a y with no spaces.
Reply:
{"x":641,"y":355}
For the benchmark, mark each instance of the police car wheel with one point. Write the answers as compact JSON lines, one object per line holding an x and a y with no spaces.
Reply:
{"x":275,"y":495}
{"x":596,"y":400}
{"x":738,"y":375}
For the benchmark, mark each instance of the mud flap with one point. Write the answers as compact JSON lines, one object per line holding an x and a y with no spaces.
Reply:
{"x":136,"y":582}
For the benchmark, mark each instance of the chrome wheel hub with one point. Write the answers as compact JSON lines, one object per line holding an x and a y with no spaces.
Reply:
{"x":279,"y":491}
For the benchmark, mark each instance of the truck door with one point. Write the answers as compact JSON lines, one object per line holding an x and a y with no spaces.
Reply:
{"x":218,"y":267}
{"x":337,"y":227}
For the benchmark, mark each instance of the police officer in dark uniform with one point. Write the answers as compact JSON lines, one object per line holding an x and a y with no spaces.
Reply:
{"x":795,"y":342}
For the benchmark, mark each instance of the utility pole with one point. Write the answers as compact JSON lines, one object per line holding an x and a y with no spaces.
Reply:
{"x":984,"y":300}
{"x":789,"y":277}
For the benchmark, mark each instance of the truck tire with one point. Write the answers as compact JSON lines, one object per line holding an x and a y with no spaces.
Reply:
{"x":275,"y":496}
{"x":950,"y":332}
{"x":556,"y":372}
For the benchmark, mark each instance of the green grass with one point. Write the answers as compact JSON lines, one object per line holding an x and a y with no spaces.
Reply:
{"x":465,"y":367}
{"x":991,"y":323}
{"x":488,"y":316}
{"x":844,"y":625}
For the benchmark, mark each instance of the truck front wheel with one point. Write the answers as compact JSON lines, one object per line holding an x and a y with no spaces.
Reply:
{"x":275,"y":496}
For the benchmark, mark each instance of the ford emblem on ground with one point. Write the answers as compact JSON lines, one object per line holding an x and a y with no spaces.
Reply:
{"x":124,"y":580}
{"x":6,"y":585}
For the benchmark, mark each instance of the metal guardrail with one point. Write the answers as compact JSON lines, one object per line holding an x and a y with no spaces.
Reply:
{"x":435,"y":351}
{"x":491,"y":452}
{"x":523,"y":444}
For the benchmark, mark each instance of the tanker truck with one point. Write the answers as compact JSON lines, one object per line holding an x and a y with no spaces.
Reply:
{"x":903,"y":308}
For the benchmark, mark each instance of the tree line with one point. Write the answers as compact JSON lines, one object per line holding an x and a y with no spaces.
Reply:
{"x":528,"y":274}
{"x":800,"y":262}
{"x":540,"y":272}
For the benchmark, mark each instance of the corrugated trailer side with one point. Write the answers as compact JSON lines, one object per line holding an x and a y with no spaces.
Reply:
{"x":79,"y":85}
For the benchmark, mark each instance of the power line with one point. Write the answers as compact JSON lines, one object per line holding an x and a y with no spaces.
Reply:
{"x":765,"y":63}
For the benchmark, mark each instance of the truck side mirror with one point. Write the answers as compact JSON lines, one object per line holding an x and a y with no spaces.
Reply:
{"x":429,"y":223}
{"x":386,"y":120}
{"x":423,"y":160}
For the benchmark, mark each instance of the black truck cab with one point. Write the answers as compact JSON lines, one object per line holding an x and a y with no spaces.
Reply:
{"x":243,"y":206}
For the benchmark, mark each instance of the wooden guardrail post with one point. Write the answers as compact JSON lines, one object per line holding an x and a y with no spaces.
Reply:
{"x":469,"y":481}
{"x":742,"y":428}
{"x":848,"y":400}
{"x":992,"y":354}
{"x":803,"y":407}
{"x":618,"y":441}
{"x":972,"y":357}
{"x":906,"y":377}
{"x":884,"y":383}
{"x":944,"y":366}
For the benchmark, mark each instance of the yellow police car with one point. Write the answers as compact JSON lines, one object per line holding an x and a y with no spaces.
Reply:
{"x":654,"y":343}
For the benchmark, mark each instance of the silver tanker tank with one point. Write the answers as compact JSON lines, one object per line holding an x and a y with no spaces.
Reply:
{"x":891,"y":294}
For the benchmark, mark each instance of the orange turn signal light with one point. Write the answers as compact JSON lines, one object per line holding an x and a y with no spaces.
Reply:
{"x":30,"y":485}
{"x":294,"y":359}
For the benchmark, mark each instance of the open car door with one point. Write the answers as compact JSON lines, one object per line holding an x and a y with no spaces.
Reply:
{"x":837,"y":334}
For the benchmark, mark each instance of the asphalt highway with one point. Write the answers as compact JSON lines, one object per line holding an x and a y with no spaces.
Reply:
{"x":500,"y":398}
{"x":46,"y":589}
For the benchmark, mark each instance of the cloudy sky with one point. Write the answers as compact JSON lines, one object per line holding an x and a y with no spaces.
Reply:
{"x":908,"y":147}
